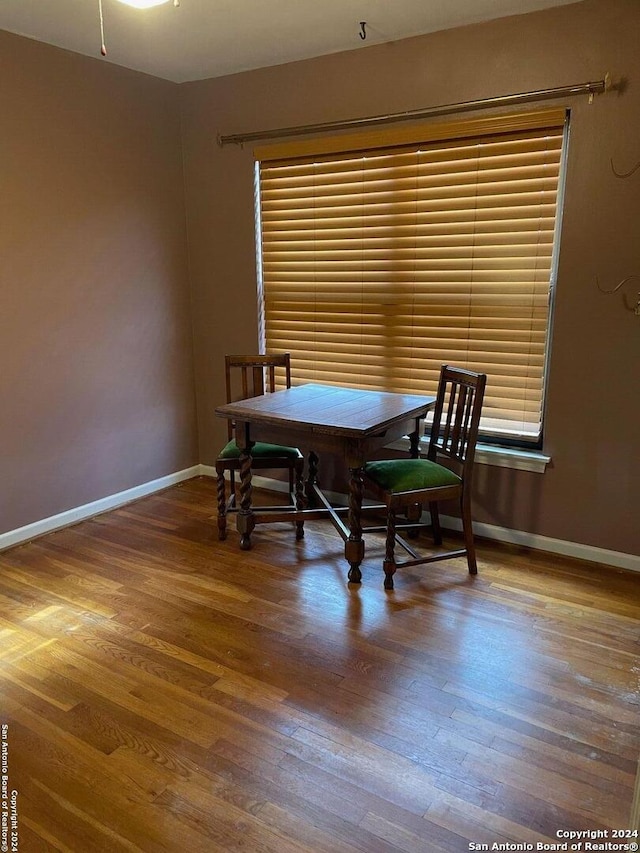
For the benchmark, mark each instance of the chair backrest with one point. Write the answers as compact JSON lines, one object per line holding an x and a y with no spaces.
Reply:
{"x":456,"y":417}
{"x":252,"y":375}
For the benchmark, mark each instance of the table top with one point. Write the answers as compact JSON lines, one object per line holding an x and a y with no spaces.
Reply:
{"x":328,"y":409}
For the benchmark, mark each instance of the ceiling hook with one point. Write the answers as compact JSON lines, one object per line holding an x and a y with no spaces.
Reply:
{"x":103,"y":47}
{"x":363,"y":32}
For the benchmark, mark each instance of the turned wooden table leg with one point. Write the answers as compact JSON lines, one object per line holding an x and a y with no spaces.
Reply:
{"x":245,"y":521}
{"x":414,"y":444}
{"x":389,"y":564}
{"x":414,"y":512}
{"x":301,"y":501}
{"x":354,"y":546}
{"x":222,"y":505}
{"x":312,"y":474}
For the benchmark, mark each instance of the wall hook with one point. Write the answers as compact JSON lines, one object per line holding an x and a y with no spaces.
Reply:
{"x":624,"y":174}
{"x":628,"y":303}
{"x":363,"y":32}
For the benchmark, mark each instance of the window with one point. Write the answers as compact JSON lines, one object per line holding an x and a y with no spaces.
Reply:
{"x":384,"y":256}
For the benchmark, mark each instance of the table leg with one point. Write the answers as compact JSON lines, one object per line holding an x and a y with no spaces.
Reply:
{"x":301,"y":501}
{"x":414,"y":443}
{"x":245,"y":522}
{"x":312,"y":474}
{"x":354,"y":546}
{"x":413,"y":512}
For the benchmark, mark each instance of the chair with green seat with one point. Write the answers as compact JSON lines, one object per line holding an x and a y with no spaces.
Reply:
{"x":445,"y":474}
{"x":251,"y":376}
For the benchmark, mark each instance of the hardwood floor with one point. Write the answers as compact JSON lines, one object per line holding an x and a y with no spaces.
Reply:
{"x":164,"y":691}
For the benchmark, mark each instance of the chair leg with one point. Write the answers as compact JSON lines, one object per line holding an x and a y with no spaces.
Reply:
{"x":435,"y":523}
{"x":467,"y":529}
{"x":389,"y":564}
{"x":222,"y":506}
{"x":300,"y":496}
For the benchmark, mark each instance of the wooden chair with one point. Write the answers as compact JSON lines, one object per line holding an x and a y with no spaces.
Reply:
{"x":407,"y":484}
{"x":250,"y":376}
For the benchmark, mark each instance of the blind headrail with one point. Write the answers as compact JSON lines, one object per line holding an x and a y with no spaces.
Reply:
{"x":596,"y":87}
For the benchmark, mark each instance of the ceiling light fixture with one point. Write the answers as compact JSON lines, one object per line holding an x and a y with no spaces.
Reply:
{"x":137,"y":4}
{"x":143,"y":4}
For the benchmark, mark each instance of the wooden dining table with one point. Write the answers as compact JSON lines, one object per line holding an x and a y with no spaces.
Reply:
{"x":350,"y":423}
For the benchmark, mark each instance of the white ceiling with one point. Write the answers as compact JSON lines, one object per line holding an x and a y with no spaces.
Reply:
{"x":210,"y":38}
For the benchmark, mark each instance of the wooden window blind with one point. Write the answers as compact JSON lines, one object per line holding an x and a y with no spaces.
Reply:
{"x":383,"y":258}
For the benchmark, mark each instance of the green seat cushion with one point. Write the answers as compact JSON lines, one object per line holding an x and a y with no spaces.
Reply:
{"x":259,"y":450}
{"x":407,"y":475}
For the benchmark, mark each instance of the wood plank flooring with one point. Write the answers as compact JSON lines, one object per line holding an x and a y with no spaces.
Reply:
{"x":164,"y":691}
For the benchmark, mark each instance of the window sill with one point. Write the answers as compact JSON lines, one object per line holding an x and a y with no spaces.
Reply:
{"x":512,"y":457}
{"x":501,"y":457}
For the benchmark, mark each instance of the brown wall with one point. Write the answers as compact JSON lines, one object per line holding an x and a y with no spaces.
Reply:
{"x":590,"y":493}
{"x":96,"y":368}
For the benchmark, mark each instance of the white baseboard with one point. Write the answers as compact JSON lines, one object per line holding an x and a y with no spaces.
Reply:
{"x":589,"y":553}
{"x":72,"y":516}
